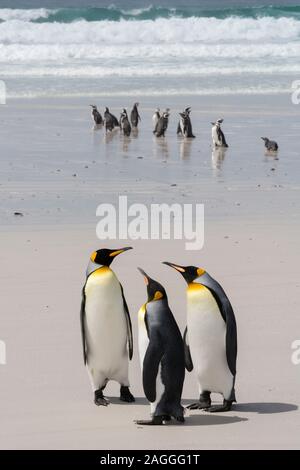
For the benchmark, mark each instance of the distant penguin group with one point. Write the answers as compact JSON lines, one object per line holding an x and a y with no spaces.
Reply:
{"x":208,"y":346}
{"x":160,"y":122}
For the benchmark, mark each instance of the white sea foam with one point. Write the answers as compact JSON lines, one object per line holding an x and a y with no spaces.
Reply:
{"x":148,"y":71}
{"x":154,"y":92}
{"x":7,"y":14}
{"x":160,"y":31}
{"x":31,"y":53}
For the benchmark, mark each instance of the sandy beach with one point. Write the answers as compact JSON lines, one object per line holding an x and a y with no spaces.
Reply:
{"x":55,"y":171}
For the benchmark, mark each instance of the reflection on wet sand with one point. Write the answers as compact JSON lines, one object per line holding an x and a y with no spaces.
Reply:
{"x":218,"y":157}
{"x":185,"y":148}
{"x":161,"y":147}
{"x":125,"y":143}
{"x":135,"y":132}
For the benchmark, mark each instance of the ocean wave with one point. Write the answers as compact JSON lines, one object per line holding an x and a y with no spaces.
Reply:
{"x":161,"y":31}
{"x":148,"y":71}
{"x":56,"y":54}
{"x":113,"y":13}
{"x":225,"y":91}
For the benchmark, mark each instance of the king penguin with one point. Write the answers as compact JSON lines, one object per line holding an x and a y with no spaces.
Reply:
{"x":105,"y":326}
{"x":210,"y":338}
{"x":161,"y":355}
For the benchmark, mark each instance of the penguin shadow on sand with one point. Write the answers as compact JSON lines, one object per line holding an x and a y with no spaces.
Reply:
{"x":265,"y":407}
{"x":138,"y":401}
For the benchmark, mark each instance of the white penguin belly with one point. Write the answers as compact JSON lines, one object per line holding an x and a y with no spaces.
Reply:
{"x":215,"y":136}
{"x":143,"y":346}
{"x":106,"y":328}
{"x":207,"y":335}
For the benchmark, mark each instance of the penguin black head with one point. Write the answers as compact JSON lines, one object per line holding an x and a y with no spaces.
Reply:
{"x":265,"y":139}
{"x":190,"y":273}
{"x":106,"y":109}
{"x":105,"y":257}
{"x":154,"y":289}
{"x":93,"y":106}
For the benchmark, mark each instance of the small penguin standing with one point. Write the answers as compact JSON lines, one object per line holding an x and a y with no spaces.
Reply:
{"x":210,"y":338}
{"x":162,"y":124}
{"x":217,"y":134}
{"x":96,"y":116}
{"x":156,"y":117}
{"x":110,"y":120}
{"x":105,"y":326}
{"x":134,"y":115}
{"x":161,"y":355}
{"x":185,"y":125}
{"x":270,"y":145}
{"x":125,"y":124}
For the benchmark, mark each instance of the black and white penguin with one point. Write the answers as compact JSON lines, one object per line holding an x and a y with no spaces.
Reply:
{"x":185,"y":125}
{"x":162,"y":124}
{"x":110,"y":120}
{"x":270,"y":145}
{"x":210,"y":338}
{"x":105,"y":326}
{"x":125,"y":124}
{"x":161,"y":355}
{"x":96,"y":116}
{"x":217,"y":134}
{"x":156,"y":117}
{"x":134,"y":115}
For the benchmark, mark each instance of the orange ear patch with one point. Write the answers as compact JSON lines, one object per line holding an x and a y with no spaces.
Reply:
{"x":158,"y":295}
{"x":200,"y":271}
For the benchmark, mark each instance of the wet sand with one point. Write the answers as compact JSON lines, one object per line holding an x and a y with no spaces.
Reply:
{"x":251,"y":245}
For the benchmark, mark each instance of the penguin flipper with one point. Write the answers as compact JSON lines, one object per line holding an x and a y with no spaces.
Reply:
{"x":82,"y":319}
{"x":227,"y":313}
{"x":129,"y":326}
{"x":187,"y":354}
{"x":151,"y":363}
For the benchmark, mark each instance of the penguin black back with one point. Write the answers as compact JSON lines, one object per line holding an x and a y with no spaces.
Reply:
{"x":163,"y":358}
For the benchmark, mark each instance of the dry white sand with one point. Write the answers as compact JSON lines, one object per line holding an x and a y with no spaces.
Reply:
{"x":46,"y":401}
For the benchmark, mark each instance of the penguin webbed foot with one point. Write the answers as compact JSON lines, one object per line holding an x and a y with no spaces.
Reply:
{"x":155,"y":421}
{"x":199,"y":405}
{"x":126,"y":395}
{"x":99,"y":399}
{"x":220,"y":408}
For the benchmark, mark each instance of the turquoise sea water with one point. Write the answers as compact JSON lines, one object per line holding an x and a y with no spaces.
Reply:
{"x":52,"y":48}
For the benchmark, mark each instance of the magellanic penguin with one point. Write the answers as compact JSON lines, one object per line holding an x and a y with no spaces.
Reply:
{"x":155,"y":117}
{"x":110,"y":120}
{"x":270,"y":145}
{"x":162,"y":124}
{"x":185,"y":125}
{"x":217,"y":134}
{"x":125,"y":124}
{"x":134,"y":115}
{"x":161,"y":355}
{"x":105,"y":326}
{"x":210,"y":339}
{"x":96,"y":116}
